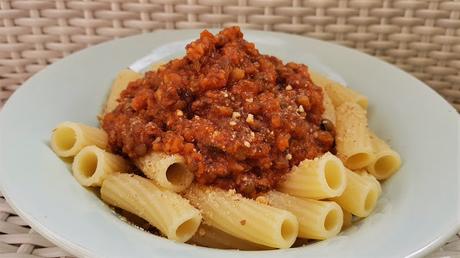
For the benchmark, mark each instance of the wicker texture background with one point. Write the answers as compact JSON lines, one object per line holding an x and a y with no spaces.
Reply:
{"x":421,"y":37}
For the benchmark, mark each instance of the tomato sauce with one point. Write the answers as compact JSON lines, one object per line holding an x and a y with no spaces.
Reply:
{"x":241,"y":119}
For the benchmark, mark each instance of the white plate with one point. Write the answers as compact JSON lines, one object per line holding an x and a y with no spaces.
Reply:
{"x":418,"y":210}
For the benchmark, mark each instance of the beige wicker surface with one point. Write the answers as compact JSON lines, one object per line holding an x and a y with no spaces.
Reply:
{"x":18,"y":240}
{"x":422,"y":37}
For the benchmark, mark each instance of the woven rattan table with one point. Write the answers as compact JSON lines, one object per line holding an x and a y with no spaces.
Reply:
{"x":421,"y":37}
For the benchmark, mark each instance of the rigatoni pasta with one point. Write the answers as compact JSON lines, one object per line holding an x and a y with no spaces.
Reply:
{"x":317,"y":219}
{"x":373,"y":180}
{"x":386,"y":161}
{"x":93,"y":165}
{"x":168,"y":171}
{"x":360,"y":195}
{"x":338,"y":93}
{"x":244,"y":218}
{"x":166,"y":210}
{"x":353,"y":142}
{"x":319,"y":79}
{"x":329,"y":109}
{"x":323,"y":177}
{"x":68,"y":138}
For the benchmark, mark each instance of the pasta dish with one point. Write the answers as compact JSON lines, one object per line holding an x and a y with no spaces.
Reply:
{"x":230,"y":148}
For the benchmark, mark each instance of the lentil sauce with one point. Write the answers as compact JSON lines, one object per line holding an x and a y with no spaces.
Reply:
{"x":240,"y":119}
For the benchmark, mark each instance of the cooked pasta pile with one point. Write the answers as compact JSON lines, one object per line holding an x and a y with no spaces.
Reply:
{"x":315,"y":200}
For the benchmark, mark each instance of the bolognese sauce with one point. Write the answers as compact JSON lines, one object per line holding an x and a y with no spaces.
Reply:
{"x":240,"y":119}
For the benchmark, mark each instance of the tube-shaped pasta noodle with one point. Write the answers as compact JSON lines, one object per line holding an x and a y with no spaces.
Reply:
{"x":323,"y":177}
{"x":93,"y":165}
{"x":386,"y":161}
{"x":166,"y":210}
{"x":347,"y":219}
{"x":337,"y":92}
{"x":168,"y":171}
{"x":360,"y":195}
{"x":124,"y":77}
{"x":340,"y":94}
{"x":244,"y":218}
{"x":329,"y":109}
{"x":69,"y":138}
{"x":319,"y":79}
{"x":317,"y":219}
{"x":372,"y":179}
{"x":353,"y":143}
{"x":212,"y":237}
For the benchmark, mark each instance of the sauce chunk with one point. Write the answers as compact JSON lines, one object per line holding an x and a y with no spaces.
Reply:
{"x":240,"y":119}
